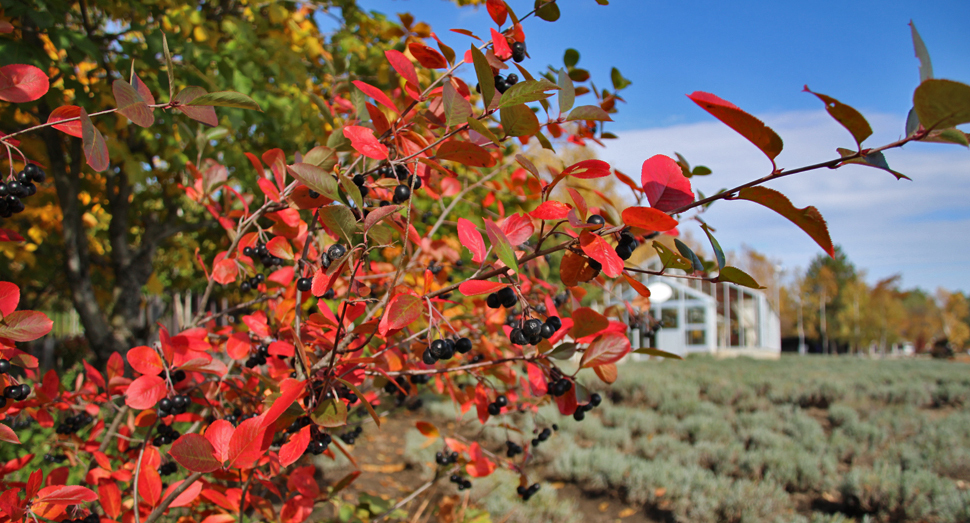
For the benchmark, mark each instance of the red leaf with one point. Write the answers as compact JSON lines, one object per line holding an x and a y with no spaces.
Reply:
{"x":598,"y":249}
{"x":808,"y":218}
{"x":95,"y":148}
{"x":481,"y":403}
{"x":131,"y":104}
{"x":269,"y":189}
{"x":401,"y":312}
{"x":145,"y":360}
{"x":21,"y":83}
{"x":9,"y":297}
{"x":478,"y":287}
{"x":25,"y":325}
{"x":290,"y":390}
{"x":497,"y":10}
{"x":518,"y":229}
{"x":427,"y":56}
{"x":605,"y":349}
{"x":537,"y":382}
{"x":579,"y":201}
{"x":144,"y":392}
{"x":6,"y":235}
{"x":469,"y":236}
{"x":245,"y":446}
{"x":377,"y":95}
{"x":110,"y":497}
{"x":150,"y":486}
{"x":142,"y":89}
{"x":200,"y":113}
{"x":480,"y":466}
{"x":465,"y":153}
{"x":665,"y":184}
{"x":219,"y":434}
{"x":748,"y":126}
{"x":186,"y":497}
{"x":195,"y":452}
{"x":66,"y":112}
{"x":65,"y":495}
{"x":648,"y":218}
{"x":225,"y":271}
{"x":8,"y":435}
{"x":587,"y":322}
{"x":402,"y":65}
{"x":500,"y":46}
{"x":638,"y":286}
{"x":280,"y":247}
{"x":295,"y":447}
{"x":427,"y":429}
{"x":238,"y":345}
{"x":551,"y":210}
{"x":363,"y":141}
{"x":588,"y":169}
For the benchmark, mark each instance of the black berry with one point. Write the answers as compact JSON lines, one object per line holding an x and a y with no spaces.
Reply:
{"x":304,"y":284}
{"x":401,"y":194}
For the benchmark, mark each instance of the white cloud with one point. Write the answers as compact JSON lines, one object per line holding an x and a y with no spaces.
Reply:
{"x":919,"y":228}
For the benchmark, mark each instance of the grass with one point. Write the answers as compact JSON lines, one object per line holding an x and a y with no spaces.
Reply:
{"x":805,"y":439}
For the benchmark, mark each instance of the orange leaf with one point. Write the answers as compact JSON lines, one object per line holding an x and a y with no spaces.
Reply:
{"x":808,"y":218}
{"x":648,"y":218}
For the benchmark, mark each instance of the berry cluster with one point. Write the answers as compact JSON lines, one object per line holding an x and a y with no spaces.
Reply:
{"x":495,"y":407}
{"x":167,"y":469}
{"x":518,"y":51}
{"x":463,"y":483}
{"x":402,"y":384}
{"x":262,"y":352}
{"x":177,"y":376}
{"x":74,"y":423}
{"x":505,"y":297}
{"x":90,"y":518}
{"x":16,"y":392}
{"x":543,"y":436}
{"x":420,"y":379}
{"x":350,"y":437}
{"x":513,"y":449}
{"x":527,"y":492}
{"x":166,"y":435}
{"x":359,"y":181}
{"x":503,"y":84}
{"x":236,"y":417}
{"x":628,"y":243}
{"x":261,"y":252}
{"x":445,"y":459}
{"x":55,"y":458}
{"x":252,"y":283}
{"x":560,"y":387}
{"x":534,"y":331}
{"x":402,"y":193}
{"x":21,"y":187}
{"x":444,"y":349}
{"x":594,"y":401}
{"x":176,"y":405}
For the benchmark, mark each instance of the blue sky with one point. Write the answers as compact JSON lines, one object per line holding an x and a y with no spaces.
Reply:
{"x":758,"y":55}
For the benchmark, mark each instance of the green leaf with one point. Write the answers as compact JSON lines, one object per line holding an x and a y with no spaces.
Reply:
{"x":912,"y":122}
{"x":618,"y":81}
{"x":671,"y":259}
{"x":701,"y":170}
{"x":686,"y":252}
{"x":544,"y":142}
{"x":527,"y":91}
{"x":351,"y":189}
{"x":457,"y":109}
{"x":381,"y":234}
{"x":579,"y":75}
{"x":567,"y":92}
{"x":501,"y":245}
{"x":168,"y":67}
{"x":852,"y":120}
{"x":718,"y":252}
{"x":519,"y":120}
{"x":925,"y":66}
{"x":321,"y":156}
{"x":486,"y":80}
{"x":735,"y":275}
{"x":877,"y":160}
{"x":650,"y":351}
{"x":340,"y":220}
{"x":949,"y":136}
{"x":481,"y":129}
{"x":941,"y":104}
{"x":227,"y":99}
{"x":331,"y":413}
{"x":367,"y":405}
{"x":563,"y":351}
{"x":315,"y":178}
{"x":570,"y":58}
{"x":549,"y":10}
{"x":588,"y":112}
{"x":808,"y":218}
